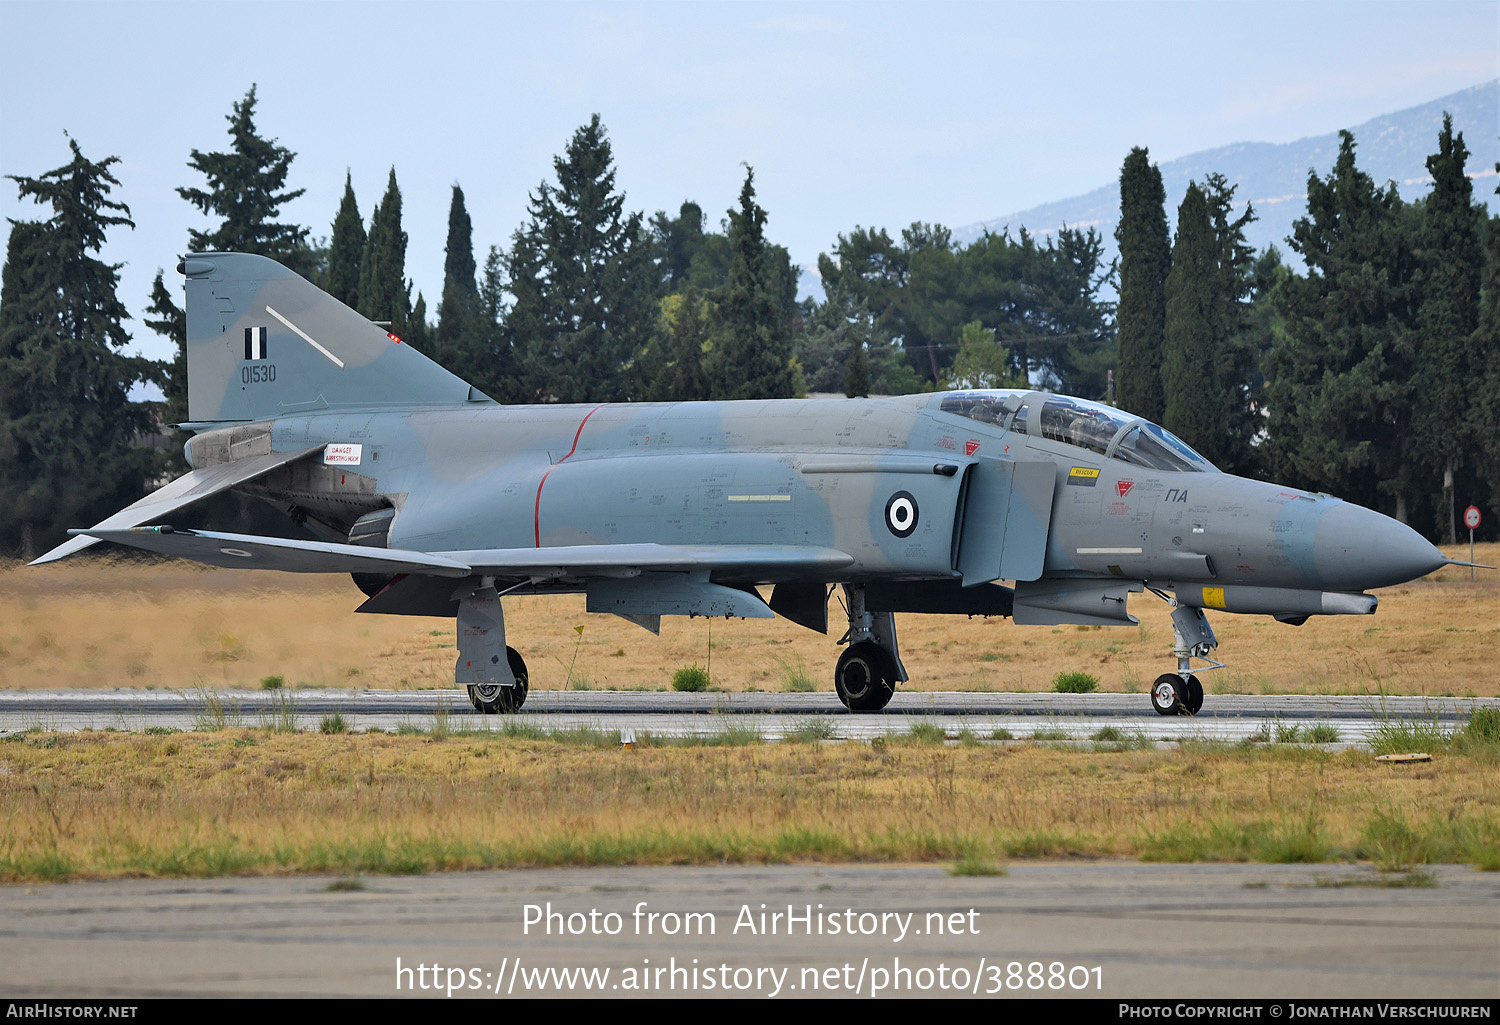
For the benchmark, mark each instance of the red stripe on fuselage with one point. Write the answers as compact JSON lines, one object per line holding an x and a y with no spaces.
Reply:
{"x":537,"y":514}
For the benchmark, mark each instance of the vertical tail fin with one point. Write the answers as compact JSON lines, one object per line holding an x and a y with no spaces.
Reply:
{"x":264,"y":342}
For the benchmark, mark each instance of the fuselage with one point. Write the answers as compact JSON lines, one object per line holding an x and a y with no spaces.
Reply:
{"x":1127,"y":500}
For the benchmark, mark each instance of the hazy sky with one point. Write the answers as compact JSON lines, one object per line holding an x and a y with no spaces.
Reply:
{"x":872,"y":114}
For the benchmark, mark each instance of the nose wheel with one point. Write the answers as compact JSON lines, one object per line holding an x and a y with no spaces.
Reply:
{"x":1173,"y":695}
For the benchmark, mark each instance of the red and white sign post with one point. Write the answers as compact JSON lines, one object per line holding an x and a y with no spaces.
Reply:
{"x":1471,"y":520}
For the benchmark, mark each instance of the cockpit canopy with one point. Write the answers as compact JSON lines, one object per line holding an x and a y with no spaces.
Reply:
{"x":1104,"y":430}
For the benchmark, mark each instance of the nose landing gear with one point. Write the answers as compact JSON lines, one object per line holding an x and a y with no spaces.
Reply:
{"x":1181,"y":693}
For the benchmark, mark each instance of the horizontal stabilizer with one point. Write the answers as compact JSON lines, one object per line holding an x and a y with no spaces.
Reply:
{"x":191,"y":487}
{"x":248,"y":551}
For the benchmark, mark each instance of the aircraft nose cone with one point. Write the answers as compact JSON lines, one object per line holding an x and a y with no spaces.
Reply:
{"x":1356,"y":548}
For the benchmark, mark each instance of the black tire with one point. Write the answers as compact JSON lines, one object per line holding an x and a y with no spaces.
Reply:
{"x":1192,"y":701}
{"x":491,"y":698}
{"x":865,"y":677}
{"x":1167,"y":694}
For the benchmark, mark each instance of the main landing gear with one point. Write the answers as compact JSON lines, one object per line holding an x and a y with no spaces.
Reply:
{"x":494,"y":672}
{"x":1181,"y":693}
{"x":868,"y":671}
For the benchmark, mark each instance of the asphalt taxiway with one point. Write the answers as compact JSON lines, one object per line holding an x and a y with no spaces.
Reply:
{"x":1229,"y":717}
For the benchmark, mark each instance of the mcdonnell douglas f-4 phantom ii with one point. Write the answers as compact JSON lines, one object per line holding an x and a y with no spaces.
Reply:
{"x":440,"y":501}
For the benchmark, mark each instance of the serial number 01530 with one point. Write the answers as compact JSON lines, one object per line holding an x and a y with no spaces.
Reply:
{"x":258,"y":373}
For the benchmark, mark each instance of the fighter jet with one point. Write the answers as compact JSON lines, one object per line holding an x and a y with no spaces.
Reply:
{"x":441,"y":502}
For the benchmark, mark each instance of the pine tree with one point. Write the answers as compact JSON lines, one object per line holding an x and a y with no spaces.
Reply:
{"x":584,"y":286}
{"x":1338,"y":385}
{"x":1145,"y":259}
{"x":67,"y":429}
{"x":1450,"y":262}
{"x":752,"y":357}
{"x":346,"y":249}
{"x":245,"y":188}
{"x":384,"y":294}
{"x":1191,"y":341}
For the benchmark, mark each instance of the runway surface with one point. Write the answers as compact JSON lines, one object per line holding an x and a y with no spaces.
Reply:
{"x":1103,"y":931}
{"x":772,"y":716}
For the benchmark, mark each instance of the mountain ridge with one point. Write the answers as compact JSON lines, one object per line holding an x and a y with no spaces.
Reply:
{"x":1272,"y":177}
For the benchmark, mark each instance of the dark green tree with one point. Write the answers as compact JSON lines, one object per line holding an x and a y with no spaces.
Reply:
{"x":677,"y":240}
{"x":346,"y":249}
{"x":461,"y":341}
{"x":68,"y":452}
{"x":1486,"y":343}
{"x":1450,"y":265}
{"x":583,"y":282}
{"x":1193,"y":332}
{"x":752,"y":355}
{"x":1209,"y":363}
{"x":247,"y":188}
{"x":1338,"y":384}
{"x":384,"y":293}
{"x":170,"y":321}
{"x":1145,"y":259}
{"x":672,"y":368}
{"x":844,"y":348}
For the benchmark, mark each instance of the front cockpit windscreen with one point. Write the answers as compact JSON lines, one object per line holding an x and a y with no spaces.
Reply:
{"x":1102,"y":430}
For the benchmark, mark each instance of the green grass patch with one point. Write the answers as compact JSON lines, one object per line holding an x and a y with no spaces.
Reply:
{"x":926,"y":733}
{"x":812,"y":731}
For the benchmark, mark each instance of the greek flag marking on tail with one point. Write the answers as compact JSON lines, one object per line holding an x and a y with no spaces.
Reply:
{"x":255,"y":343}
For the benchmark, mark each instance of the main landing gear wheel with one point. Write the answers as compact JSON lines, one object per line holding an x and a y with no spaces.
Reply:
{"x":865,"y":677}
{"x":490,"y":698}
{"x":1172,"y":695}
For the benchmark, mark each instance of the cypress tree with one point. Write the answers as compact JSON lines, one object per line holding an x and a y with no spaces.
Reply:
{"x":346,"y":249}
{"x":1486,"y":344}
{"x":67,"y":427}
{"x":1145,"y":259}
{"x":1190,"y":344}
{"x":1450,"y":262}
{"x":752,"y":357}
{"x":245,"y":187}
{"x":384,"y":295}
{"x":459,"y":341}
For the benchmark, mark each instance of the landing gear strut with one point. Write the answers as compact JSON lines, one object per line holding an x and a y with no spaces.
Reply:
{"x":867,"y":673}
{"x":1181,"y":693}
{"x":494,"y":673}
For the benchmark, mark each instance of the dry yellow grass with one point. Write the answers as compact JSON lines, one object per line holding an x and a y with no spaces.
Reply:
{"x":173,"y":625}
{"x":103,"y":804}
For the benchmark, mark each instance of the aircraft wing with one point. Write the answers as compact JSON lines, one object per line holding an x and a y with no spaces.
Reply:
{"x":250,"y":551}
{"x":246,"y":551}
{"x":191,"y":487}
